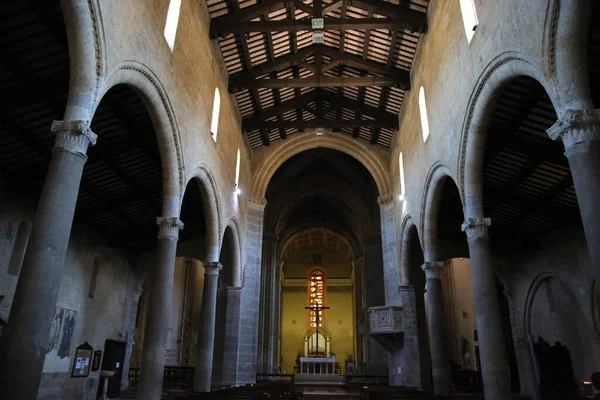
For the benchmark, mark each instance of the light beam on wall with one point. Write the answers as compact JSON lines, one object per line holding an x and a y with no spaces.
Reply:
{"x":172,"y":22}
{"x":423,"y":112}
{"x":214,"y":123}
{"x":402,"y":184}
{"x":237,"y":173}
{"x":469,"y":15}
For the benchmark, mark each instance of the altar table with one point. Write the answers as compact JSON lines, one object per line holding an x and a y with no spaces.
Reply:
{"x":317,"y":365}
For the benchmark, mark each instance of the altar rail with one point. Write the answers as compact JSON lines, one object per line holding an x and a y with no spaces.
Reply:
{"x":289,"y":378}
{"x":367,"y":380}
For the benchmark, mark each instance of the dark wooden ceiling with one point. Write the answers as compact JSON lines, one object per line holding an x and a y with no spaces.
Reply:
{"x":354,"y":82}
{"x":528,"y":188}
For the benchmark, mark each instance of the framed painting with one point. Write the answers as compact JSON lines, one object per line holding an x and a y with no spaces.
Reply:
{"x":82,"y":361}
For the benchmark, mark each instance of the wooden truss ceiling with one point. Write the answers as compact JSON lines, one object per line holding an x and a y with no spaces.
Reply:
{"x":354,"y":82}
{"x":528,"y":188}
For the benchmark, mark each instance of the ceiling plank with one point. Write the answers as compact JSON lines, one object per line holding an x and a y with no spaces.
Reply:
{"x":295,"y":103}
{"x":325,"y":123}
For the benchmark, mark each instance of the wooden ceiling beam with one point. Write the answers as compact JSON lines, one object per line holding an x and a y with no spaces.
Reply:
{"x":319,"y":82}
{"x":315,"y":123}
{"x":247,"y":14}
{"x":277,"y":64}
{"x":330,"y":24}
{"x":418,"y":19}
{"x":295,"y":103}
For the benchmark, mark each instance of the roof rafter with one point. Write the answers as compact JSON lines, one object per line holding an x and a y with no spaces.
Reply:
{"x":323,"y":123}
{"x":398,"y":18}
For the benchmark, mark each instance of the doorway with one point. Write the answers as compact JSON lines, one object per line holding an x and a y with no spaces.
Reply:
{"x":112,"y":360}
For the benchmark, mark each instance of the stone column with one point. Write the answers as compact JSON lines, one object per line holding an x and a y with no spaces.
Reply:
{"x":492,"y":347}
{"x":405,"y":365}
{"x":25,"y":339}
{"x":206,"y":336}
{"x":268,"y":333}
{"x":251,"y":292}
{"x":154,"y":351}
{"x":232,"y":336}
{"x":579,"y":131}
{"x":440,"y":359}
{"x":389,"y":245}
{"x":373,"y":286}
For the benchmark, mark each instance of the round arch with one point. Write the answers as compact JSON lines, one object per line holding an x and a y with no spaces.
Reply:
{"x":341,"y":243}
{"x":273,"y":157}
{"x":210,"y":199}
{"x":85,"y":39}
{"x":408,"y":229}
{"x":430,"y":208}
{"x":146,"y":84}
{"x":482,"y":102}
{"x":291,"y":198}
{"x":234,"y":229}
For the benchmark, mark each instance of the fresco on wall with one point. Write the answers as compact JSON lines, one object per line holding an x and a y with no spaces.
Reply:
{"x":61,"y":331}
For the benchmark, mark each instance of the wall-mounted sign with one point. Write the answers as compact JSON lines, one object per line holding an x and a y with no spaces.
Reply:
{"x":82,"y":361}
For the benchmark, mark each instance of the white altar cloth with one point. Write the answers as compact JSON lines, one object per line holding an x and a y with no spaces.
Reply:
{"x":317,"y":365}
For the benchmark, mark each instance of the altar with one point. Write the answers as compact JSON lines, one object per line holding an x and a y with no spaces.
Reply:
{"x":317,"y":365}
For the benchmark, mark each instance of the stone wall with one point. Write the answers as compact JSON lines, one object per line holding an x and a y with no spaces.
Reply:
{"x":98,"y":296}
{"x":549,"y":295}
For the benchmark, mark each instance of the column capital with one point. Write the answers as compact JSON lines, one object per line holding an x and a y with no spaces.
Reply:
{"x":257,"y":201}
{"x":577,"y":126}
{"x":476,"y":227}
{"x":169,"y":227}
{"x":212,"y":268}
{"x":433,"y":269}
{"x":385,"y":200}
{"x":73,"y":136}
{"x":234,"y":289}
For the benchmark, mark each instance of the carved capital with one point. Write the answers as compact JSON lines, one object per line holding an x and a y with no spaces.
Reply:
{"x":257,"y":201}
{"x":169,"y":227}
{"x":385,"y":200}
{"x":577,"y":126}
{"x":212,"y":268}
{"x":476,"y":227}
{"x":433,"y":269}
{"x":73,"y":136}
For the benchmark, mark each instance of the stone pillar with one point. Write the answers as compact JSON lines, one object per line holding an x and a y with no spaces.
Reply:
{"x":389,"y":245}
{"x":359,"y":312}
{"x":232,"y":336}
{"x":405,"y":365}
{"x":373,"y":287}
{"x":492,"y":347}
{"x":270,"y":291}
{"x":154,"y":352}
{"x":25,"y":339}
{"x":579,"y":131}
{"x":206,"y":336}
{"x":440,"y":359}
{"x":247,"y":361}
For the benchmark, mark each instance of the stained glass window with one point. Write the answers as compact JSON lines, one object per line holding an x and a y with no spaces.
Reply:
{"x":316,"y":296}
